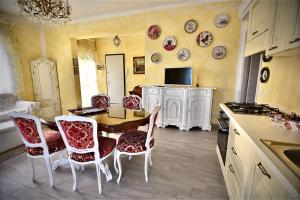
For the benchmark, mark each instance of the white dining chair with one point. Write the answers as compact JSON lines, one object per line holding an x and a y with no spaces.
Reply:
{"x":38,"y":143}
{"x":135,"y":142}
{"x":84,"y":146}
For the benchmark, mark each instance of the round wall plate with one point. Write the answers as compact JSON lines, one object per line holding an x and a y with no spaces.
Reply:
{"x":221,"y":20}
{"x":264,"y":74}
{"x":169,"y":43}
{"x":190,"y":26}
{"x":156,"y":58}
{"x":219,"y":52}
{"x":204,"y":39}
{"x":154,"y":32}
{"x":183,"y":54}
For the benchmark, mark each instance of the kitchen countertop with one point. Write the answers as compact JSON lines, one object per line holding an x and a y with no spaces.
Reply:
{"x":261,"y":127}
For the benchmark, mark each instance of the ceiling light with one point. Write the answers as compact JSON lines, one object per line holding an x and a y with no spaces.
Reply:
{"x":46,"y":11}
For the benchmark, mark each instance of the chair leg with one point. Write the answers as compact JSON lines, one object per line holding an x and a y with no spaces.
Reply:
{"x":98,"y":170}
{"x":119,"y":166}
{"x":115,"y":161}
{"x":49,"y":167}
{"x":32,"y":167}
{"x":74,"y":175}
{"x":146,"y":165}
{"x":150,"y":158}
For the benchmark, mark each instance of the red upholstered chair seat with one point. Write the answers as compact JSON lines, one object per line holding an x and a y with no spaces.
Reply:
{"x":133,"y":141}
{"x":54,"y":141}
{"x":106,"y":146}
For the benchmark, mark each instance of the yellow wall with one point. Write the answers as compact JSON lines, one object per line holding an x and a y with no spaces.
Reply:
{"x":26,"y":44}
{"x":283,"y":87}
{"x":131,"y":46}
{"x":212,"y":73}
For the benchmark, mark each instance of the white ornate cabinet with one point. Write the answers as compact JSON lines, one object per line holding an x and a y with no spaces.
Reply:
{"x":184,"y":107}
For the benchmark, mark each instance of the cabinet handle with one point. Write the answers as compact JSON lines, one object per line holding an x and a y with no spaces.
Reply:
{"x":231,"y":168}
{"x":263,"y":170}
{"x":295,"y":40}
{"x":255,"y":32}
{"x":275,"y":47}
{"x":233,"y":151}
{"x":236,"y":132}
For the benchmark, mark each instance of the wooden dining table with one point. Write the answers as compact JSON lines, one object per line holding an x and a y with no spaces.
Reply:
{"x":115,"y":119}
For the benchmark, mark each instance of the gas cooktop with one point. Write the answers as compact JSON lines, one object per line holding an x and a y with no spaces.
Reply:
{"x":252,"y":108}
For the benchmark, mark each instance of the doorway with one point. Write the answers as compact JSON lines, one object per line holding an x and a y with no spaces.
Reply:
{"x":115,"y":77}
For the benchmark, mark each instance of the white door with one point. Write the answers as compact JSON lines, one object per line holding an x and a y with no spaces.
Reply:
{"x":115,"y":77}
{"x":46,"y":88}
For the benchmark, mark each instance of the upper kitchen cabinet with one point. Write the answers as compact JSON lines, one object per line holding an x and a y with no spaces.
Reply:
{"x":258,"y":25}
{"x":293,"y":23}
{"x":258,"y":18}
{"x":285,"y":29}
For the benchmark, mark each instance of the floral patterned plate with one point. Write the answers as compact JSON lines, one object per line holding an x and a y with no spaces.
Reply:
{"x":155,"y":58}
{"x":219,"y":52}
{"x":190,"y":26}
{"x":183,"y":54}
{"x":204,"y":39}
{"x":154,"y":32}
{"x":170,"y":43}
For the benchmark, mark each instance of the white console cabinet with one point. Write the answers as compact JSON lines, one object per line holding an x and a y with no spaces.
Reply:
{"x":184,"y":107}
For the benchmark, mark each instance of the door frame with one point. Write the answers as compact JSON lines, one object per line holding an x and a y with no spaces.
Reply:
{"x":117,"y":54}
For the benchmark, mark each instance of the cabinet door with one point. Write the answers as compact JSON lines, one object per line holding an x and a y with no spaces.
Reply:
{"x":276,"y":34}
{"x":258,"y":18}
{"x":197,"y":110}
{"x":151,"y":102}
{"x":173,"y":109}
{"x":293,"y":23}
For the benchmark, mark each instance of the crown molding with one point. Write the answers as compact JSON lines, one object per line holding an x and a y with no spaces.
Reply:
{"x":144,"y":10}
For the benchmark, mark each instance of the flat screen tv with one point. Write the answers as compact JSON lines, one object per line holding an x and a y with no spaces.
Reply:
{"x":178,"y":76}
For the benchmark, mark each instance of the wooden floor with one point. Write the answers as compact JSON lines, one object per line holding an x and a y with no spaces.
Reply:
{"x":185,"y":166}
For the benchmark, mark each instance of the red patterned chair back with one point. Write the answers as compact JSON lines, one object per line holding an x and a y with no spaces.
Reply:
{"x":150,"y":132}
{"x":100,"y":101}
{"x":132,"y":102}
{"x":30,"y":129}
{"x":79,"y":134}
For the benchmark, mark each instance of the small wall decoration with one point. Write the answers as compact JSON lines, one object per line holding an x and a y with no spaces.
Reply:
{"x":75,"y":62}
{"x":264,"y":74}
{"x":190,"y":26}
{"x":204,"y":39}
{"x":156,"y":58}
{"x":117,"y":41}
{"x":139,"y":65}
{"x":221,"y":20}
{"x":100,"y":67}
{"x":76,"y":70}
{"x":219,"y":52}
{"x":170,"y":43}
{"x":183,"y":54}
{"x":154,"y":32}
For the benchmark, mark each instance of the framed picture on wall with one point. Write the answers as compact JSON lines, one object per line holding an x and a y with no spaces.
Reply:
{"x":139,"y":65}
{"x":76,"y":70}
{"x":75,"y":62}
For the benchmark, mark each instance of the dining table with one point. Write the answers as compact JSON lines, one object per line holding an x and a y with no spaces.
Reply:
{"x":114,"y":119}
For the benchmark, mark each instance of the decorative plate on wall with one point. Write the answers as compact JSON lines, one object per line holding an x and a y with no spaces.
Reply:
{"x":219,"y":52}
{"x":264,"y":74}
{"x":169,"y":43}
{"x":221,"y":20}
{"x":204,"y":39}
{"x":154,"y":32}
{"x":190,"y":26}
{"x":183,"y":54}
{"x":156,"y":58}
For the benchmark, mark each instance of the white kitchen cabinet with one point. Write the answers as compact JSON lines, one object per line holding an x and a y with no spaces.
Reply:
{"x":184,"y":107}
{"x":258,"y":19}
{"x":293,"y":24}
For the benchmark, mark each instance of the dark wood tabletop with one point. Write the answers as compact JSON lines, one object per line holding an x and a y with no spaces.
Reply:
{"x":114,"y":120}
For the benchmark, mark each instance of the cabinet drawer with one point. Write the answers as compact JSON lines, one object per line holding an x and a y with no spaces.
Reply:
{"x":174,"y":92}
{"x":238,"y":162}
{"x":199,"y":92}
{"x":152,"y":90}
{"x":233,"y":180}
{"x":240,"y":140}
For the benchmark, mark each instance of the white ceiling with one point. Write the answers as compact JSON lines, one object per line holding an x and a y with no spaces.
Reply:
{"x":85,"y":10}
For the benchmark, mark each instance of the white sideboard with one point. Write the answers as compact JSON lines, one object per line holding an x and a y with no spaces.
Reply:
{"x":184,"y":107}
